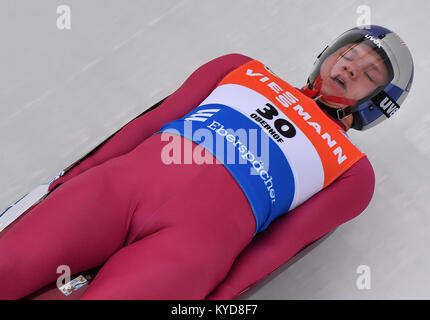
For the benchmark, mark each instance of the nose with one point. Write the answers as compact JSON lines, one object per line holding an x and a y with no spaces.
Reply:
{"x":351,"y":71}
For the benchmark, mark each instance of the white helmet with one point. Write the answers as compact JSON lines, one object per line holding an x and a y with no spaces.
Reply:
{"x":383,"y":102}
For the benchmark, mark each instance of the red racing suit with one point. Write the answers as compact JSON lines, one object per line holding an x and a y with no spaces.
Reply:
{"x":250,"y":259}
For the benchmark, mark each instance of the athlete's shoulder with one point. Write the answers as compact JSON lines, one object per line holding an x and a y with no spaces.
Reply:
{"x":359,"y":179}
{"x":353,"y":190}
{"x":363,"y":168}
{"x":235,"y":57}
{"x":231,"y":60}
{"x":217,"y":68}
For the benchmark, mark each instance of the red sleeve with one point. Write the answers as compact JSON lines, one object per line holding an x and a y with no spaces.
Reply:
{"x":341,"y":201}
{"x":192,"y":92}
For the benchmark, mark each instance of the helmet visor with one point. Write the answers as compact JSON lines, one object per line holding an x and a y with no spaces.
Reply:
{"x":355,"y":70}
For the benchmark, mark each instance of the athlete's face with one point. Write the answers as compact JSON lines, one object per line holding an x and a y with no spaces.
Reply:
{"x":354,"y":71}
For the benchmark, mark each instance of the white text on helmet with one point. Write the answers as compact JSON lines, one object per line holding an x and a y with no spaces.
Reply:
{"x":374,"y":40}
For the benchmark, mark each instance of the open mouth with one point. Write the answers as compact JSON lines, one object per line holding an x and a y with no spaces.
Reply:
{"x":340,"y":82}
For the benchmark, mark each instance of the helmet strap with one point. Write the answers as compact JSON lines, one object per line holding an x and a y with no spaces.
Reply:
{"x":316,"y":94}
{"x":338,"y":113}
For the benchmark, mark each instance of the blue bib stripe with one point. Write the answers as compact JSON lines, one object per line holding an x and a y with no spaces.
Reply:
{"x":269,"y":186}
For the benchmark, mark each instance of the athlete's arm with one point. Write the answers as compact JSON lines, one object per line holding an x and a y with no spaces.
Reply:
{"x":192,"y":92}
{"x":343,"y":200}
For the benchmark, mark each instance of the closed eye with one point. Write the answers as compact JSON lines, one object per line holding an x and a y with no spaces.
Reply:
{"x":351,"y":51}
{"x":370,"y":78}
{"x":346,"y":58}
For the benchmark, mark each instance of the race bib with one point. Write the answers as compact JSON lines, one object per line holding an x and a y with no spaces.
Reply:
{"x":279,"y":146}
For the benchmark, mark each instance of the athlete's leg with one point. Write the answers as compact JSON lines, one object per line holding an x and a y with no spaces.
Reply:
{"x":80,"y":225}
{"x":165,"y":265}
{"x":185,"y":247}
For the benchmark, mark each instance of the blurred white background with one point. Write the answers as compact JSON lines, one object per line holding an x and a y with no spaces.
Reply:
{"x":64,"y":91}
